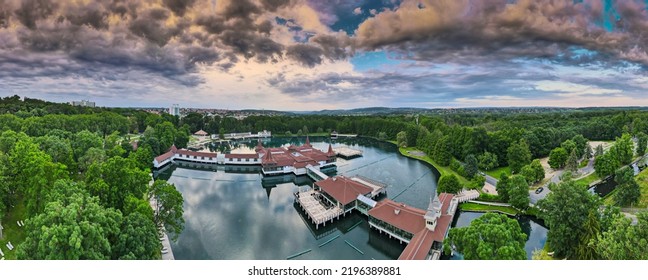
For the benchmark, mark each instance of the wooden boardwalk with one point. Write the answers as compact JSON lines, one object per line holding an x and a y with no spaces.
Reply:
{"x":347,"y":152}
{"x":314,"y":208}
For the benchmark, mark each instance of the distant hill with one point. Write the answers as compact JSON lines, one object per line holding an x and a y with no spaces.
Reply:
{"x":442,"y":111}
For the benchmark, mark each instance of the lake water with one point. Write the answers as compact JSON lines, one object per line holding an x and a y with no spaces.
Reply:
{"x":235,"y":213}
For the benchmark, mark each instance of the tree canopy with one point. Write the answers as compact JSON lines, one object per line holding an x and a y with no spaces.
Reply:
{"x":490,"y":237}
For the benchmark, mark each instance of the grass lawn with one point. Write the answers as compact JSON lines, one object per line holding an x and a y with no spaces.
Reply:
{"x":495,"y":173}
{"x":583,"y":163}
{"x":444,"y":170}
{"x":12,"y":232}
{"x":587,"y":180}
{"x":468,"y":206}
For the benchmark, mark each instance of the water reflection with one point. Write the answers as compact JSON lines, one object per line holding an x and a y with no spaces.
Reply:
{"x":235,"y":213}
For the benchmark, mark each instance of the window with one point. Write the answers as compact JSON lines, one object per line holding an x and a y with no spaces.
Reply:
{"x":247,"y":159}
{"x":238,"y":159}
{"x":202,"y":158}
{"x":231,"y":159}
{"x":195,"y":157}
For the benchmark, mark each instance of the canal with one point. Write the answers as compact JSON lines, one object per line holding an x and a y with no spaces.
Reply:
{"x":235,"y":213}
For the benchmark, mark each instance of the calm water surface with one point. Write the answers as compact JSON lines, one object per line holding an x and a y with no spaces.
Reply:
{"x":235,"y":213}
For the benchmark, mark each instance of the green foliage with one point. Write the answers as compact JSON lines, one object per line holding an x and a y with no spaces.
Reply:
{"x":401,"y":139}
{"x":519,"y":192}
{"x":168,"y":209}
{"x":477,"y":182}
{"x":137,"y":239}
{"x":565,"y":210}
{"x":622,"y":150}
{"x":569,"y":146}
{"x":581,"y":145}
{"x":591,"y":229}
{"x":143,"y":157}
{"x":518,"y":155}
{"x":539,"y":171}
{"x":83,"y":141}
{"x":588,"y":152}
{"x":116,"y":179}
{"x":558,"y":158}
{"x":72,"y":227}
{"x":92,"y":155}
{"x":599,"y":150}
{"x":382,"y":136}
{"x":442,"y":151}
{"x":458,"y":167}
{"x":487,"y":161}
{"x":627,"y":190}
{"x":572,"y":162}
{"x":605,"y":165}
{"x":504,"y":187}
{"x":490,"y":237}
{"x":642,"y":141}
{"x":623,"y":241}
{"x":528,"y":174}
{"x":470,"y":166}
{"x":449,"y":184}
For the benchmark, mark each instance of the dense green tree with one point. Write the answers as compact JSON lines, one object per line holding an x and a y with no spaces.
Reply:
{"x":568,"y":145}
{"x":605,"y":165}
{"x":538,"y":170}
{"x":572,"y":162}
{"x":382,"y":135}
{"x":137,"y":239}
{"x":487,"y":161}
{"x":116,"y":179}
{"x":83,"y":141}
{"x":449,"y":184}
{"x":558,"y":158}
{"x":588,"y":152}
{"x":581,"y":145}
{"x":59,"y":149}
{"x":9,"y":138}
{"x":504,"y":187}
{"x":73,"y":227}
{"x":565,"y":210}
{"x":623,"y":149}
{"x":143,"y":156}
{"x":401,"y":139}
{"x":168,"y":207}
{"x":599,"y":150}
{"x":519,"y":192}
{"x":627,"y":190}
{"x":92,"y":155}
{"x":195,"y":121}
{"x":624,"y":241}
{"x":518,"y":155}
{"x":591,"y":229}
{"x":470,"y":166}
{"x":528,"y":174}
{"x":642,"y":141}
{"x":32,"y":170}
{"x":442,"y":151}
{"x":489,"y":237}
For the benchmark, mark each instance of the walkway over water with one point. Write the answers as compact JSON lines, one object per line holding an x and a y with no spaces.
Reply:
{"x":316,"y":211}
{"x":315,"y":173}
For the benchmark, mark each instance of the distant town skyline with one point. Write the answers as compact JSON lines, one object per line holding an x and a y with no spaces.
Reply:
{"x":307,"y":55}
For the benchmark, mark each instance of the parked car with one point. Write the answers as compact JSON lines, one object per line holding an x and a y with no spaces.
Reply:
{"x":539,"y":190}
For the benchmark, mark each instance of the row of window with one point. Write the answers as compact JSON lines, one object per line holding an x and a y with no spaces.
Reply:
{"x":210,"y":158}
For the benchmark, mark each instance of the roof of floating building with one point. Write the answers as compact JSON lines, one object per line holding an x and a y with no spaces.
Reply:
{"x":343,"y":189}
{"x":296,"y":156}
{"x":413,"y":220}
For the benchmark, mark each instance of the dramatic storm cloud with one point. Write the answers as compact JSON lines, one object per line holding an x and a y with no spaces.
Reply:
{"x":326,"y":54}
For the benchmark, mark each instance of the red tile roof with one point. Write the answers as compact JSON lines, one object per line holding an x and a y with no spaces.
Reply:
{"x":197,"y":154}
{"x":419,"y":246}
{"x":294,"y":156}
{"x":201,"y":133}
{"x":169,"y":154}
{"x":402,"y":216}
{"x":343,"y":189}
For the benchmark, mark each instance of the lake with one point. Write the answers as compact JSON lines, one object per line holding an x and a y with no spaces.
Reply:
{"x":232,"y":212}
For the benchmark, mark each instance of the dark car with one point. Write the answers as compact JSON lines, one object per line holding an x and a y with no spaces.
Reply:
{"x":539,"y":190}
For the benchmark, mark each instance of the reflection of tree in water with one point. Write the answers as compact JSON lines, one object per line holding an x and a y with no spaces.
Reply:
{"x":525,"y":224}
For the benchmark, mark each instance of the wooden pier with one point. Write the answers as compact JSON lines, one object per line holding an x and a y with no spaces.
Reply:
{"x":315,"y":209}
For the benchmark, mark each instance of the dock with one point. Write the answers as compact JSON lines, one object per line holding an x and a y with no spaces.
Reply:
{"x":317,"y":212}
{"x":347,"y":152}
{"x":336,"y":135}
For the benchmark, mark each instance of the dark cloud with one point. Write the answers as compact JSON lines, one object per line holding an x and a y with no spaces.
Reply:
{"x":179,"y":7}
{"x":306,"y":55}
{"x":32,"y":10}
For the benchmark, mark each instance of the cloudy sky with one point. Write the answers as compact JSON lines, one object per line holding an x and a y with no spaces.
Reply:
{"x":326,"y":54}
